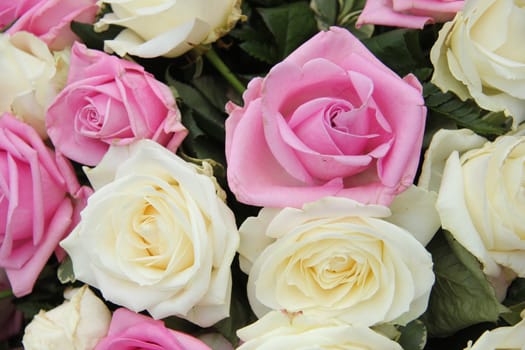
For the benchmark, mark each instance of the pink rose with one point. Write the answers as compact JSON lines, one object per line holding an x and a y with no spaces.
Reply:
{"x":11,"y":10}
{"x":330,"y":120}
{"x":50,"y":20}
{"x":10,"y":318}
{"x":129,"y":330}
{"x":110,"y":101}
{"x":408,"y":13}
{"x":40,"y":203}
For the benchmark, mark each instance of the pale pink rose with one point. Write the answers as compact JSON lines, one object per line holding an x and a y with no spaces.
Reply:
{"x":129,"y":330}
{"x":330,"y":120}
{"x":10,"y":318}
{"x":50,"y":20}
{"x":40,"y":203}
{"x":110,"y":101}
{"x":408,"y":13}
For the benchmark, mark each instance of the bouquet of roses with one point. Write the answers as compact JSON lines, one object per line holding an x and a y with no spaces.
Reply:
{"x":262,"y":174}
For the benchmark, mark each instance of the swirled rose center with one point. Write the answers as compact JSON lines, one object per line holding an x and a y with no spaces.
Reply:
{"x":89,"y":120}
{"x":102,"y":117}
{"x":156,"y":240}
{"x":334,"y":133}
{"x":334,"y":272}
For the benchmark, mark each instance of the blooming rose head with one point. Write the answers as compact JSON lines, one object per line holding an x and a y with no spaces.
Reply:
{"x":330,"y":120}
{"x":50,"y":20}
{"x":39,"y":203}
{"x":129,"y":331}
{"x":110,"y":101}
{"x":31,"y":77}
{"x":501,"y":338}
{"x":480,"y":55}
{"x":480,"y":199}
{"x":10,"y":318}
{"x":408,"y":14}
{"x":167,"y":27}
{"x":335,"y":259}
{"x":155,"y":235}
{"x":281,"y":330}
{"x":79,"y":323}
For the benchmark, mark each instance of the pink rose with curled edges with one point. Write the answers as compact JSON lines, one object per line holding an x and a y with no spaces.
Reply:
{"x":129,"y":331}
{"x":40,"y":203}
{"x":50,"y":20}
{"x":408,"y":13}
{"x":330,"y":120}
{"x":110,"y":101}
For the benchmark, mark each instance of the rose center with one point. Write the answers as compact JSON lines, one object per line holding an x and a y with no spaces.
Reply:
{"x":88,"y":120}
{"x":159,"y":241}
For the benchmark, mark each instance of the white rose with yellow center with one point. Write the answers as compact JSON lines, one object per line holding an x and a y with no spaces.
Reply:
{"x":481,"y":198}
{"x":335,"y":258}
{"x":167,"y":28}
{"x":31,"y":77}
{"x":279,"y":330}
{"x":480,"y":55}
{"x":156,"y":236}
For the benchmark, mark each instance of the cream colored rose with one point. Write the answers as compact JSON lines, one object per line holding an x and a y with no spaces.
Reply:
{"x":480,"y":198}
{"x":156,"y":236}
{"x":335,"y":258}
{"x":480,"y":55}
{"x":279,"y":330}
{"x":167,"y":27}
{"x":31,"y":77}
{"x":502,"y":338}
{"x":77,"y":324}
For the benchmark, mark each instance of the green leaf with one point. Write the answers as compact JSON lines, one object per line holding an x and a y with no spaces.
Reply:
{"x":466,"y":114}
{"x":65,"y":271}
{"x":213,"y":89}
{"x":291,"y":25}
{"x":92,"y":39}
{"x":261,"y":50}
{"x":246,"y":33}
{"x":515,"y":301}
{"x":325,"y":12}
{"x":398,"y":49}
{"x":207,"y":117}
{"x":349,"y":11}
{"x":461,"y":295}
{"x":199,"y":145}
{"x":413,"y":336}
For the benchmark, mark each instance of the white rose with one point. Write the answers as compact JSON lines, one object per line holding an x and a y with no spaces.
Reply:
{"x":501,"y":338}
{"x":31,"y":77}
{"x":278,"y":330}
{"x":155,"y":236}
{"x":480,"y":55}
{"x":167,"y":27}
{"x":77,"y":324}
{"x":335,"y":258}
{"x":480,"y":199}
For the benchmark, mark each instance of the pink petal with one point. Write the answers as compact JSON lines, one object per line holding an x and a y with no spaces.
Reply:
{"x":23,"y":279}
{"x":253,"y":173}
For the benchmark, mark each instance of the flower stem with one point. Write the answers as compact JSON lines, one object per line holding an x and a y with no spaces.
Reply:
{"x":6,"y":294}
{"x":217,"y":62}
